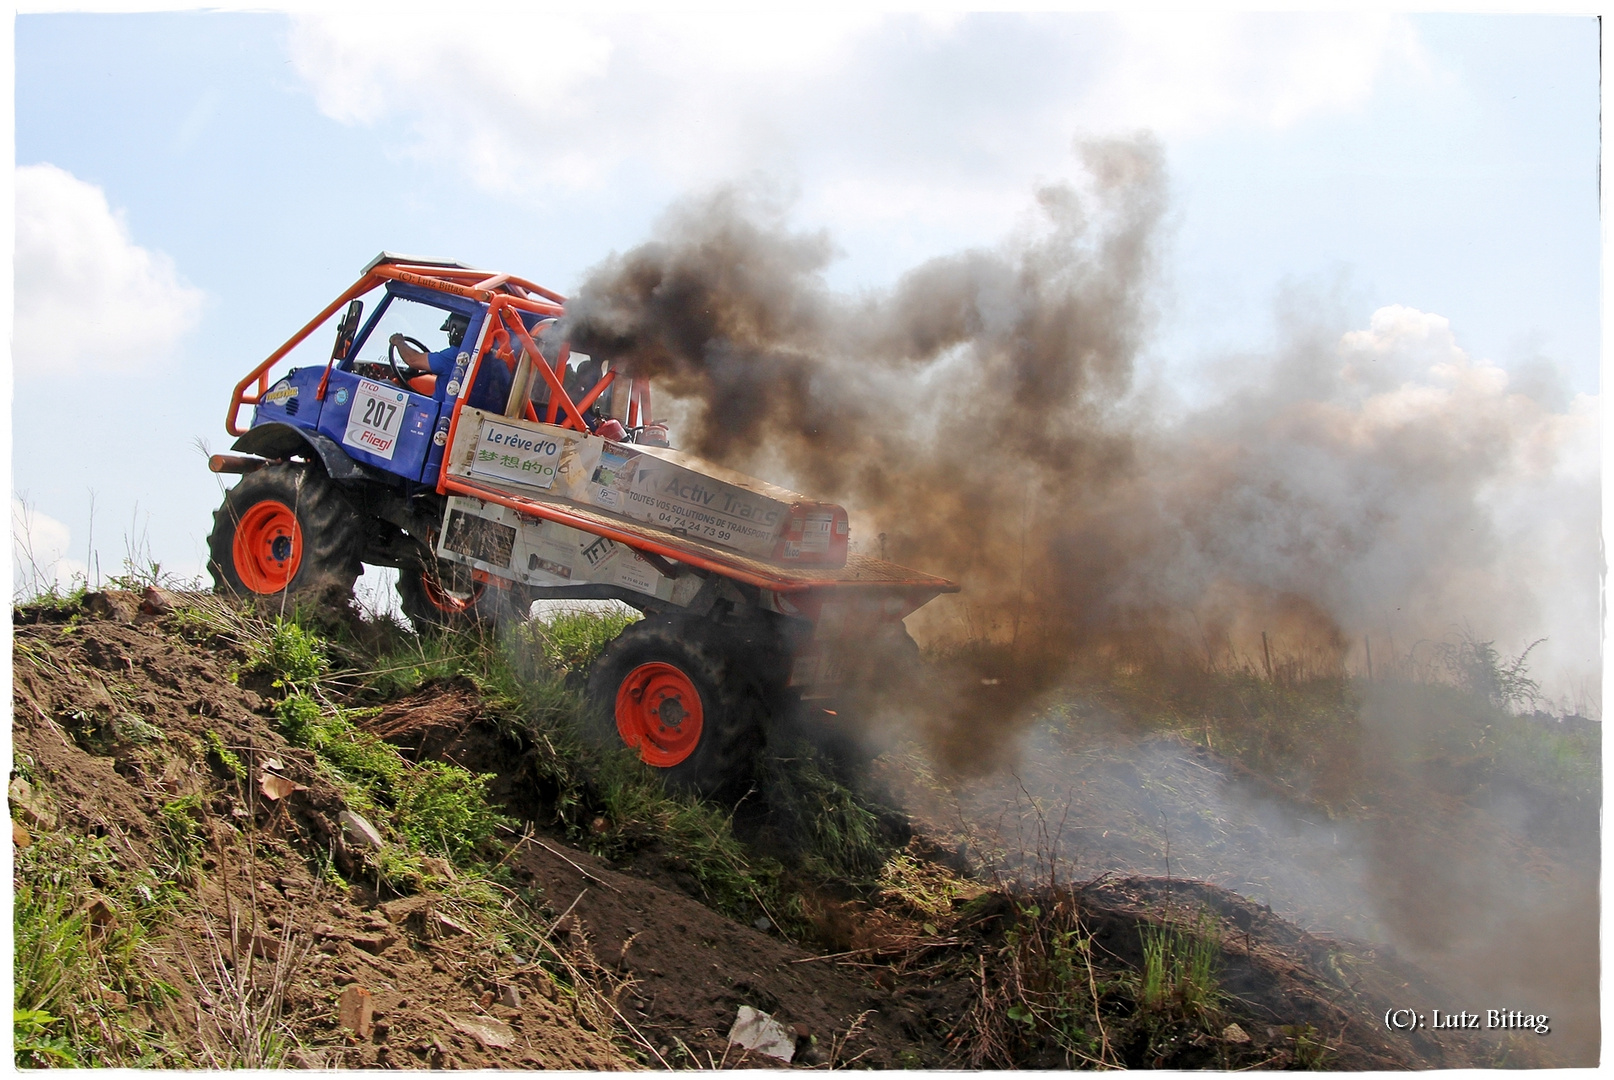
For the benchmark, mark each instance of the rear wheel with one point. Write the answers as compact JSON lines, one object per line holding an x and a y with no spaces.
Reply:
{"x":681,"y":694}
{"x":851,"y":729}
{"x":441,"y":594}
{"x":285,"y":529}
{"x":444,"y":594}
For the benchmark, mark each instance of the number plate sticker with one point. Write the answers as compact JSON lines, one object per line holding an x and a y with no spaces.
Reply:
{"x":376,"y":419}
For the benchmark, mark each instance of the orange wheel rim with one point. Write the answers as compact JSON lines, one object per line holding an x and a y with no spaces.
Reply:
{"x":268,"y":547}
{"x":658,"y":711}
{"x":449,"y":602}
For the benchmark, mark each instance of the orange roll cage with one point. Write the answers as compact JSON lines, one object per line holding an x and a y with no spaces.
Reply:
{"x":506,"y":296}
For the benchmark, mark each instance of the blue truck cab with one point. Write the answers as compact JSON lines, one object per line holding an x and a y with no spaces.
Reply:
{"x":370,"y":407}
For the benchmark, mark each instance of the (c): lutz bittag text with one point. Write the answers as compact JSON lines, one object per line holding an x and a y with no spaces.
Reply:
{"x":1490,"y":1020}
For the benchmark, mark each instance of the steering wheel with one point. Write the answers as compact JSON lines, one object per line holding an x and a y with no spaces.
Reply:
{"x":392,"y":358}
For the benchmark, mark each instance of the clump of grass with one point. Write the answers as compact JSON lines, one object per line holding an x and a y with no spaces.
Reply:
{"x":608,"y":802}
{"x":183,"y":839}
{"x":1180,"y":966}
{"x":80,"y":922}
{"x":632,"y":811}
{"x":834,"y":831}
{"x":294,"y":655}
{"x":214,"y":748}
{"x":526,"y":679}
{"x":1045,"y":994}
{"x":1052,"y":997}
{"x":1478,"y":668}
{"x":930,"y":892}
{"x":431,"y":806}
{"x":38,"y":1043}
{"x":572,"y":640}
{"x":53,"y":598}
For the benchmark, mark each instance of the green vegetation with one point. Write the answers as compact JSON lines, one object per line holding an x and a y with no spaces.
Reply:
{"x":294,"y":654}
{"x":1052,"y":997}
{"x":1050,"y":985}
{"x":834,"y":830}
{"x":570,"y":641}
{"x":1179,"y":966}
{"x":226,"y":758}
{"x":928,"y":891}
{"x":81,"y":989}
{"x":608,"y":802}
{"x":431,"y":807}
{"x":181,"y":822}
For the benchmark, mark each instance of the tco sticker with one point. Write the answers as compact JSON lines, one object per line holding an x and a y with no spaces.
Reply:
{"x":440,"y":438}
{"x":341,"y":396}
{"x":376,"y":419}
{"x":454,"y":388}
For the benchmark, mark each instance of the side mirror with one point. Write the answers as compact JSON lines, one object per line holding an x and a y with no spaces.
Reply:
{"x":345,"y":330}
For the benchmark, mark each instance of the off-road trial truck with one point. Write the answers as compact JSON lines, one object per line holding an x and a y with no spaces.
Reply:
{"x":538,"y":473}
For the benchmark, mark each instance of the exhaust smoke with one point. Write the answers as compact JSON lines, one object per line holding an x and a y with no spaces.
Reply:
{"x":1351,"y":505}
{"x":985,"y":419}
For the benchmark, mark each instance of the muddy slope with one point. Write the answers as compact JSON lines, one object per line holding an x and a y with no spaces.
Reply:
{"x":117,"y":712}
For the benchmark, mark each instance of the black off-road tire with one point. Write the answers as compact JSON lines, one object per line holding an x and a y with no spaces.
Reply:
{"x":728,"y":671}
{"x":440,"y":594}
{"x":843,"y":727}
{"x":324,"y":547}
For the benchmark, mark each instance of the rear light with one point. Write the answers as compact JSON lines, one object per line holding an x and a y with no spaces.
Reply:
{"x":815,"y":534}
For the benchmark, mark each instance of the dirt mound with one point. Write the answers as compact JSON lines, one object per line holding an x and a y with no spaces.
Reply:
{"x":144,"y":728}
{"x":117,"y":718}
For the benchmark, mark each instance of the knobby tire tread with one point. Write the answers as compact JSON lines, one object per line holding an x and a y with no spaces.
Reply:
{"x":332,"y":530}
{"x":716,"y":662}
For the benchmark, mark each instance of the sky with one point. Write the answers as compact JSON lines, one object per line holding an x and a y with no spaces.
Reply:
{"x":192,"y":188}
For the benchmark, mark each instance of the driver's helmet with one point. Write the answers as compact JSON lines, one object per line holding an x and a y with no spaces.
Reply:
{"x":456,"y":325}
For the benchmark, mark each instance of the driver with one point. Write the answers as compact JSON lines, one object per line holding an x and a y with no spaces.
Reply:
{"x":438,"y":363}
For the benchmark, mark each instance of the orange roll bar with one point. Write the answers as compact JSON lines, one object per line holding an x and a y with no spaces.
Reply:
{"x":557,"y":392}
{"x":261,"y":373}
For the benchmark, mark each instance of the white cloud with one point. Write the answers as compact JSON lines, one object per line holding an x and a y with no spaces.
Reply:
{"x":39,"y":545}
{"x":1184,"y":72}
{"x":980,"y":104}
{"x":1533,"y":468}
{"x":87,"y":296}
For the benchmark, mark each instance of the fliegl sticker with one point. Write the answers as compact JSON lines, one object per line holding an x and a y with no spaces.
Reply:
{"x":376,"y":419}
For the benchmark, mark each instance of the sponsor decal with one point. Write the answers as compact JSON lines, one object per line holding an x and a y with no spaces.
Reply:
{"x":280,"y":393}
{"x":535,"y":562}
{"x":516,"y":455}
{"x":341,"y":396}
{"x":478,"y":538}
{"x":638,"y":575}
{"x":440,"y":438}
{"x":376,"y":420}
{"x":599,"y":551}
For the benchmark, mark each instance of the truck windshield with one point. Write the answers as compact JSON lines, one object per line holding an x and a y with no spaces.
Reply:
{"x":412,"y":319}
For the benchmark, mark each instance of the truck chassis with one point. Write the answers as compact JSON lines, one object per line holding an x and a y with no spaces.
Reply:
{"x":536,"y":474}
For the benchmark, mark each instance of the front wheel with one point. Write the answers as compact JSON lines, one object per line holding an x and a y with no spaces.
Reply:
{"x":285,"y":529}
{"x":680,"y":694}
